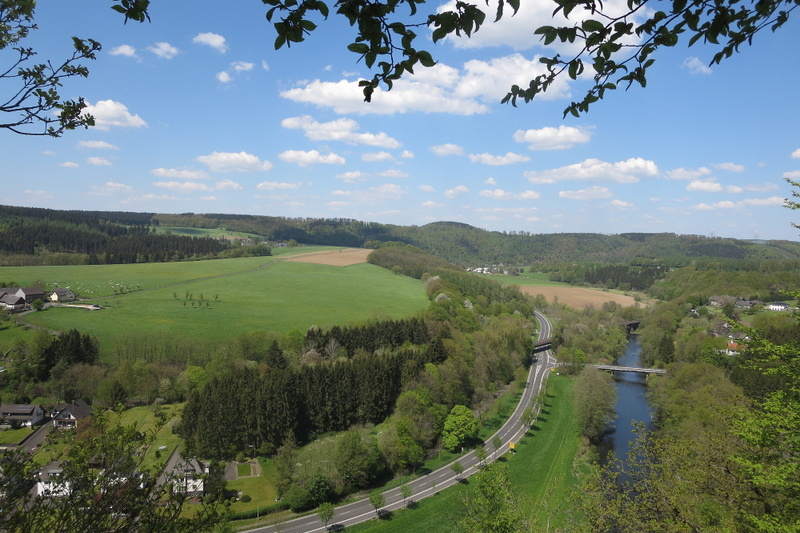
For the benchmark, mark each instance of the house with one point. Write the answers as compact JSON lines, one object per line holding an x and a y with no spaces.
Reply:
{"x":66,"y":415}
{"x":31,"y":294}
{"x":188,"y":476}
{"x":49,"y":483}
{"x":60,"y":295}
{"x":12,"y":302}
{"x":779,"y":306}
{"x":22,"y":414}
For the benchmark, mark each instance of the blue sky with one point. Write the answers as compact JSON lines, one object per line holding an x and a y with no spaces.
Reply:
{"x":197,"y":112}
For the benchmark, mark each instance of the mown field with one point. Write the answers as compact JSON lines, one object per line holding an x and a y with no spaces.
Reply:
{"x":534,"y":283}
{"x":218,"y":300}
{"x":541,"y":470}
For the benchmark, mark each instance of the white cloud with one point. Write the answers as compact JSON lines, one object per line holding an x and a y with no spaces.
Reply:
{"x":630,"y":171}
{"x":69,"y":164}
{"x":164,"y":50}
{"x":97,"y":145}
{"x":242,"y":66}
{"x":109,"y":188}
{"x":688,"y":173}
{"x":426,"y":188}
{"x":497,"y":194}
{"x":620,"y":203}
{"x":455,"y":191}
{"x":592,"y":193}
{"x":430,"y":204}
{"x":228,"y":185}
{"x":393,"y":173}
{"x":549,"y":138}
{"x":727,"y":204}
{"x":704,"y":186}
{"x":264,"y":65}
{"x":311,"y":157}
{"x":796,"y":154}
{"x":343,"y":129}
{"x":498,"y":160}
{"x":214,"y":40}
{"x":730,"y":167}
{"x":178,"y":173}
{"x":377,"y":156}
{"x":99,"y":161}
{"x":447,"y":149}
{"x":234,"y":162}
{"x":373,"y":195}
{"x":182,"y":186}
{"x":407,"y":154}
{"x":352,"y":176}
{"x":109,"y":113}
{"x":123,"y":50}
{"x":695,"y":66}
{"x":793,"y":175}
{"x":490,"y":181}
{"x":529,"y":195}
{"x":277,"y":186}
{"x":223,"y":77}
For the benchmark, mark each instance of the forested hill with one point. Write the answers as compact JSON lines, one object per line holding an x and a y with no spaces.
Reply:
{"x":457,"y":243}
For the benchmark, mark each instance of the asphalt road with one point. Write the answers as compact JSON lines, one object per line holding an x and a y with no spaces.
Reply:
{"x":430,"y":484}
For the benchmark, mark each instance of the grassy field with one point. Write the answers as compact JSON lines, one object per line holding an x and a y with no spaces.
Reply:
{"x":221,"y":299}
{"x":541,"y":470}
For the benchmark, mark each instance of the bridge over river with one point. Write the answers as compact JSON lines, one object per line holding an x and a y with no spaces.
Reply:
{"x":616,"y":368}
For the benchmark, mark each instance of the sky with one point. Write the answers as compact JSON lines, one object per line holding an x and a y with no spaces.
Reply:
{"x":197,"y":112}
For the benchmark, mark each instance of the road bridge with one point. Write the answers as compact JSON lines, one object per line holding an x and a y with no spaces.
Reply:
{"x":617,"y":368}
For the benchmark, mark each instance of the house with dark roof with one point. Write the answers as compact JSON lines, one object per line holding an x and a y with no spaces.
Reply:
{"x":31,"y":294}
{"x":22,"y":414}
{"x":12,"y":302}
{"x":66,"y":415}
{"x":60,"y":295}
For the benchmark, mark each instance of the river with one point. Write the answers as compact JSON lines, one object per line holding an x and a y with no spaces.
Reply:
{"x":632,"y":405}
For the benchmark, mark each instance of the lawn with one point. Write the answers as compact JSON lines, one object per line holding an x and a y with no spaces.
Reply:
{"x":14,"y":436}
{"x":279,"y":298}
{"x":541,"y":470}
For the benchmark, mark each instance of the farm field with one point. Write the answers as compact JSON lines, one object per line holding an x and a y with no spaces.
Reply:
{"x":533,"y":283}
{"x":213,"y":306}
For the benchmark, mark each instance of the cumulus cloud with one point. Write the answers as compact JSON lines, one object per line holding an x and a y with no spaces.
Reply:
{"x":447,"y":149}
{"x":109,"y":113}
{"x":407,"y":154}
{"x":498,"y":160}
{"x":109,"y":188}
{"x":426,"y":188}
{"x":310,"y":157}
{"x":430,"y":204}
{"x":234,"y":162}
{"x":123,"y":50}
{"x":592,"y":193}
{"x":730,"y":167}
{"x":754,"y":202}
{"x":214,"y":40}
{"x":224,"y":77}
{"x":496,"y":194}
{"x":490,"y":181}
{"x":455,"y":191}
{"x":549,"y":138}
{"x":178,"y":173}
{"x":352,"y":176}
{"x":620,"y":203}
{"x":529,"y":195}
{"x":796,"y":154}
{"x":704,"y":186}
{"x":228,"y":185}
{"x":99,"y":161}
{"x":695,"y":66}
{"x":277,"y":186}
{"x":164,"y":50}
{"x":242,"y":66}
{"x":438,"y":89}
{"x":182,"y":186}
{"x":629,"y":171}
{"x":377,"y":156}
{"x":343,"y":129}
{"x":97,"y":145}
{"x":69,"y":164}
{"x":373,"y":195}
{"x":688,"y":173}
{"x":393,"y":173}
{"x":793,"y":175}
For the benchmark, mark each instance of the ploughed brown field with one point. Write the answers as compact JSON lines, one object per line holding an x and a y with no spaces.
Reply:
{"x":346,"y":257}
{"x":579,"y":297}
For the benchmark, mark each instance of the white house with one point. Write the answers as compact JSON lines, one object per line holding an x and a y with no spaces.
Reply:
{"x":779,"y":306}
{"x":25,"y":414}
{"x":61,"y":295}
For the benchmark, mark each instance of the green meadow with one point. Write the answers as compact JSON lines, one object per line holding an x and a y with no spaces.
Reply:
{"x":541,"y":471}
{"x":214,"y":301}
{"x":536,"y":279}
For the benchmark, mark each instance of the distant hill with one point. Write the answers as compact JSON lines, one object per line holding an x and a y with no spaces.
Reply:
{"x":455,"y":242}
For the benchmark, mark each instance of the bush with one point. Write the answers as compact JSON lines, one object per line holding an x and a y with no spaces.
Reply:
{"x":246,"y":498}
{"x":298,"y":499}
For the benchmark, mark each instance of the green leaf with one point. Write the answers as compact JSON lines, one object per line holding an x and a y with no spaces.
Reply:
{"x":358,"y":48}
{"x":591,"y":25}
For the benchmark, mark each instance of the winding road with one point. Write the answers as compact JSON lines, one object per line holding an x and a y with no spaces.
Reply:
{"x":430,"y":484}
